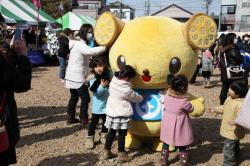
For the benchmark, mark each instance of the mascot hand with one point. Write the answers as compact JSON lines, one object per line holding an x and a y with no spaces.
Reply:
{"x":199,"y":107}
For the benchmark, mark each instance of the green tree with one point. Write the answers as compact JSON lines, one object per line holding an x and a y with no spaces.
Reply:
{"x":51,"y":7}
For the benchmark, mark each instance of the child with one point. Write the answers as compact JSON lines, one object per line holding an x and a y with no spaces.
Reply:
{"x":207,"y":67}
{"x":99,"y":87}
{"x":119,"y":111}
{"x":176,"y":128}
{"x":230,"y":110}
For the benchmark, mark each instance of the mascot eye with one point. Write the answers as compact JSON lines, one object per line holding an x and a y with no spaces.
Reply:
{"x":121,"y":62}
{"x":175,"y":65}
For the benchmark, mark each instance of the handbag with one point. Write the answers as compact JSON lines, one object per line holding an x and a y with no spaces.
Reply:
{"x":4,"y":140}
{"x":243,"y":118}
{"x":234,"y":72}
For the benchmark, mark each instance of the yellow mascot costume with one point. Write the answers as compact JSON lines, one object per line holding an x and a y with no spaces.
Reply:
{"x":155,"y":47}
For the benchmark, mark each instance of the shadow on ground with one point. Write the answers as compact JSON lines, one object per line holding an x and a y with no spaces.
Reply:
{"x":70,"y":160}
{"x":35,"y":116}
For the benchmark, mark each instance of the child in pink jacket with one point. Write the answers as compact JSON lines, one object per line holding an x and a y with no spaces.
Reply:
{"x":176,"y":128}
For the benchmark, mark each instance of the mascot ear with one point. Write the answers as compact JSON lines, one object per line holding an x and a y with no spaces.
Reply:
{"x":200,"y":31}
{"x":107,"y":29}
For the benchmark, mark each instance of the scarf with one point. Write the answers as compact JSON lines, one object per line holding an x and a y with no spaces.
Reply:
{"x":97,"y":82}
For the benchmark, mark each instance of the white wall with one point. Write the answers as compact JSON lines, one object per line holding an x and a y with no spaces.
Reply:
{"x":126,"y":11}
{"x":239,"y":12}
{"x":228,"y":2}
{"x":174,"y":12}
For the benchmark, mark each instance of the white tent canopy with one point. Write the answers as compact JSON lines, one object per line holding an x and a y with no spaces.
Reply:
{"x":22,"y":11}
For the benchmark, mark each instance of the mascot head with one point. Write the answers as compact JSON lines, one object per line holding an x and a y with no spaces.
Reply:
{"x":155,"y":46}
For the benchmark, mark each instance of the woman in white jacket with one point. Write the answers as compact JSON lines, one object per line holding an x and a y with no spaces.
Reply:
{"x":76,"y":73}
{"x":119,"y":110}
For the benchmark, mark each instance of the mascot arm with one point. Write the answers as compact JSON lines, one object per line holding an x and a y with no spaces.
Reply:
{"x":198,"y":103}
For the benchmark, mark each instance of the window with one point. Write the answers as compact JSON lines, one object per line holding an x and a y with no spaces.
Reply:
{"x":231,"y":10}
{"x":245,"y":19}
{"x":245,"y":3}
{"x":228,"y":9}
{"x":87,"y":6}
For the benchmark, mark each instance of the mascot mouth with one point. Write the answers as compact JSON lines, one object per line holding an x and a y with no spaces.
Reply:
{"x":146,"y":76}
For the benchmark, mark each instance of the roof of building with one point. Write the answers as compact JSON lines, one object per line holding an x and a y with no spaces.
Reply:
{"x":173,"y":5}
{"x":118,"y":4}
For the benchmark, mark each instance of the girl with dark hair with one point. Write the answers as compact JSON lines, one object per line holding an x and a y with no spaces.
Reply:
{"x":119,"y":111}
{"x":76,"y":73}
{"x":233,"y":58}
{"x":230,"y":111}
{"x":176,"y":128}
{"x":98,"y":84}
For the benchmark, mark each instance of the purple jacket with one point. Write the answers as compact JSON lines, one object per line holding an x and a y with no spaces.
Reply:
{"x":176,"y":127}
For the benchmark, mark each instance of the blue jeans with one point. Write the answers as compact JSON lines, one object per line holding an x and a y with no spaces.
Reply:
{"x":62,"y":63}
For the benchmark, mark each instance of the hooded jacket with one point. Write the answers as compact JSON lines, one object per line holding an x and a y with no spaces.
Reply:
{"x":120,"y":96}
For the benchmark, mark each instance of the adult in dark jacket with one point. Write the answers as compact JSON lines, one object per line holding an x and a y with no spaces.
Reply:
{"x":63,"y":52}
{"x":15,"y":76}
{"x":234,"y":58}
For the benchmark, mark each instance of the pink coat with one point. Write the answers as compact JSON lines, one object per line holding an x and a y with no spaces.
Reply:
{"x":176,"y":127}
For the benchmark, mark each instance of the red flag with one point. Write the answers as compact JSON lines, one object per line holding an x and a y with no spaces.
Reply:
{"x":37,"y":3}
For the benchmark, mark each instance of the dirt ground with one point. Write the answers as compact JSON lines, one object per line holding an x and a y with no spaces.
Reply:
{"x":46,"y":140}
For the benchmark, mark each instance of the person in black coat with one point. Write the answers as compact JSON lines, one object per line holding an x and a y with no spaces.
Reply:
{"x":233,"y":57}
{"x":15,"y":76}
{"x":63,"y":52}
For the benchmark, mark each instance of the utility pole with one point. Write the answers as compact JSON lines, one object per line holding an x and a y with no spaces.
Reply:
{"x":220,"y":17}
{"x":121,"y":9}
{"x":147,"y":7}
{"x":207,"y":4}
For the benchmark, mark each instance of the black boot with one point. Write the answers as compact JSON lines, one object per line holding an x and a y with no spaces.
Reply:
{"x":71,"y":119}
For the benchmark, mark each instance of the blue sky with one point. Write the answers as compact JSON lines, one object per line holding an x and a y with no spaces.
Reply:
{"x":190,"y":5}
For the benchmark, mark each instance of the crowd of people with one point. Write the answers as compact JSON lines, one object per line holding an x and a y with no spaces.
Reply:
{"x":84,"y":67}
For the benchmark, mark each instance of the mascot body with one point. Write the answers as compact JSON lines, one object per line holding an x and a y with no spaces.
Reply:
{"x":155,"y":47}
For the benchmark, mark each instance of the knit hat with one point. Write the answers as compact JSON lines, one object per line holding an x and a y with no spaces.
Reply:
{"x":207,"y":54}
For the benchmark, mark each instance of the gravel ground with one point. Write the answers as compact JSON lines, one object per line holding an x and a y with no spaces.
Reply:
{"x":46,"y":140}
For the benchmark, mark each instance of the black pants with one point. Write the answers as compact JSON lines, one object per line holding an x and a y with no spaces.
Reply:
{"x":94,"y":121}
{"x":193,"y":79}
{"x":83,"y":93}
{"x":231,"y":152}
{"x":8,"y":157}
{"x":121,"y":139}
{"x":206,"y":74}
{"x":223,"y":93}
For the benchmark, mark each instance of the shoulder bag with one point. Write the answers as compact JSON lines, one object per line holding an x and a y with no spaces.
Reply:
{"x":234,"y":72}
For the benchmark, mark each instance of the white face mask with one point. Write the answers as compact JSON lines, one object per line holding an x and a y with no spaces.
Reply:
{"x":235,"y":41}
{"x":89,"y":36}
{"x":246,"y":38}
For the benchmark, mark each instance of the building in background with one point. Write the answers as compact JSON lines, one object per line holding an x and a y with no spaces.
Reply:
{"x":89,"y":8}
{"x":235,"y":15}
{"x":242,"y":15}
{"x":174,"y":11}
{"x":121,"y":10}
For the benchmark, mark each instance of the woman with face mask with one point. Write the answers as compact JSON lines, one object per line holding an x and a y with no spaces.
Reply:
{"x":77,"y":70}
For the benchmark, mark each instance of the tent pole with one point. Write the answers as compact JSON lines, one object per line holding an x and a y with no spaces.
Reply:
{"x":37,"y":28}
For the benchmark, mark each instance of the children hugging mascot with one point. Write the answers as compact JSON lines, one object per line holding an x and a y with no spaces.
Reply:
{"x":155,"y":47}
